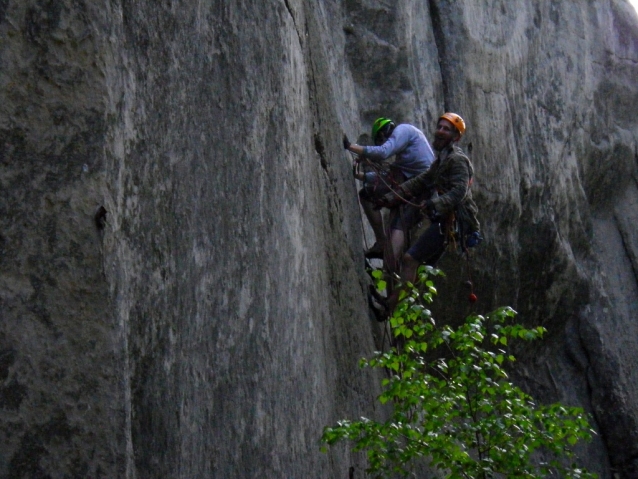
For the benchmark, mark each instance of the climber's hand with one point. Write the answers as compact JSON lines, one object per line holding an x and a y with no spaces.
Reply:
{"x":473,"y":239}
{"x":430,"y":210}
{"x":346,"y":142}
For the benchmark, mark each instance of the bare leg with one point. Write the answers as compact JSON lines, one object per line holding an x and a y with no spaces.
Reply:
{"x":375,"y":219}
{"x":397,"y":239}
{"x":409,"y":267}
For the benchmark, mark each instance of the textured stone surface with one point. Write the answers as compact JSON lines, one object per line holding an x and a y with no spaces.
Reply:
{"x":61,"y":356}
{"x":209,"y":323}
{"x":550,"y":96}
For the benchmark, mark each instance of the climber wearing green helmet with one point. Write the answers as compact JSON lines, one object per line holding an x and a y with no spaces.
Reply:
{"x":413,"y":157}
{"x":382,"y":128}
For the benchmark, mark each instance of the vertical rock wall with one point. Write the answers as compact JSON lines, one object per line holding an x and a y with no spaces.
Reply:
{"x":230,"y":252}
{"x":181,"y":284}
{"x":61,"y":409}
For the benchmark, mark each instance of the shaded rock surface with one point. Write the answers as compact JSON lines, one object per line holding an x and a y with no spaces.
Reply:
{"x":181,"y":276}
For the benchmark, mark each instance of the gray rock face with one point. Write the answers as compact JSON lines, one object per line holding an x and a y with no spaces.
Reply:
{"x":182,"y":290}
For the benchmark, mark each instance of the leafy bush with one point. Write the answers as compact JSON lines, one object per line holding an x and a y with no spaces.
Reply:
{"x":453,"y":404}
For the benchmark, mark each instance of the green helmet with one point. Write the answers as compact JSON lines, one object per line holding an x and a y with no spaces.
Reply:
{"x":378,"y":125}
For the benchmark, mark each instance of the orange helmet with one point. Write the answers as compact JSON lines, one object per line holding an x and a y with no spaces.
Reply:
{"x":456,"y":120}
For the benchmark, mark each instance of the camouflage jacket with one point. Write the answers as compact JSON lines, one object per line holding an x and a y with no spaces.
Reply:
{"x":451,"y":177}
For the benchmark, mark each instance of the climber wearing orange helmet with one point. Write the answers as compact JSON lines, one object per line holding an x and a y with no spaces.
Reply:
{"x":448,"y":199}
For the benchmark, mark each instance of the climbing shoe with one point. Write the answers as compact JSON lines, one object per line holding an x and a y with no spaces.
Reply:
{"x":375,"y":251}
{"x":377,"y":304}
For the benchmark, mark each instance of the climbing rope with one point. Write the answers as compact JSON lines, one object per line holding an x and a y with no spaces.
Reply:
{"x":472,"y":297}
{"x":379,"y":170}
{"x":355,"y":164}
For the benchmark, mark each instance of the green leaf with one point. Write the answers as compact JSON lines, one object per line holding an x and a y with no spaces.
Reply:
{"x":456,"y":407}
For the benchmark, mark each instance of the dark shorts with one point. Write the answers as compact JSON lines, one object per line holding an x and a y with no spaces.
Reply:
{"x":430,"y":246}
